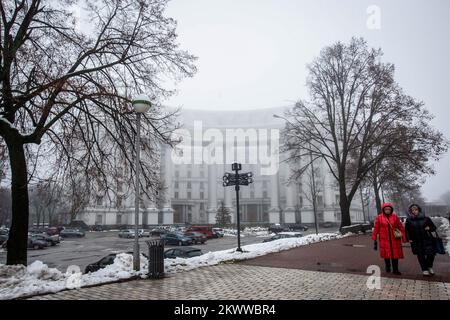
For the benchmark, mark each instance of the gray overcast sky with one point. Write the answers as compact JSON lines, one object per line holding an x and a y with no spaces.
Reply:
{"x":253,"y":53}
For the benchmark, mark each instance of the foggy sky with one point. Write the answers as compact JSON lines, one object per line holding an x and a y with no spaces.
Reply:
{"x":253,"y":53}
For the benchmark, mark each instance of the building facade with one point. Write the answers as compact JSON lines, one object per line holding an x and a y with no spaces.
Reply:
{"x":191,"y":176}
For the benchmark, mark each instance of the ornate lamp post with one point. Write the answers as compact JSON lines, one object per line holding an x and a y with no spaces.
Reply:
{"x":141,"y":104}
{"x":235,"y":179}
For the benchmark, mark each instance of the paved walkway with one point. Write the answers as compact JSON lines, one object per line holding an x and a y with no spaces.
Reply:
{"x":238,"y":281}
{"x":350,"y":255}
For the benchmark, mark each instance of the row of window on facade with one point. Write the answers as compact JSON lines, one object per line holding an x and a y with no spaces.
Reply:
{"x":120,"y":199}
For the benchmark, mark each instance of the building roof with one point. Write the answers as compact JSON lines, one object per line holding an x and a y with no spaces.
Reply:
{"x":257,"y":118}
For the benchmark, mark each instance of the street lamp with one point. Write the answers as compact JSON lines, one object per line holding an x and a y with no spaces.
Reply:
{"x":141,"y":104}
{"x":235,"y":179}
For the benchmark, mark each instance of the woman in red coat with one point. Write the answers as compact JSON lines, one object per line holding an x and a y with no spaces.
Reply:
{"x":390,"y":245}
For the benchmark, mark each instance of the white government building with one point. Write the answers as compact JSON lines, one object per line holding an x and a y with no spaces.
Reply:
{"x":193,"y":190}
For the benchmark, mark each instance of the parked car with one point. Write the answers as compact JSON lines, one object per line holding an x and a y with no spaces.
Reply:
{"x":144,"y":233}
{"x":284,"y":235}
{"x":197,"y":237}
{"x":206,"y":230}
{"x":72,"y":233}
{"x":128,"y":234}
{"x":177,"y":239}
{"x":34,"y":243}
{"x":79,"y":225}
{"x":276,"y":228}
{"x":100,"y":264}
{"x":51,"y":240}
{"x":103,"y":262}
{"x":37,"y":230}
{"x":297,"y":227}
{"x":52,"y":231}
{"x":97,"y":227}
{"x":158,"y":232}
{"x":182,"y":252}
{"x":219,"y":231}
{"x":327,"y":224}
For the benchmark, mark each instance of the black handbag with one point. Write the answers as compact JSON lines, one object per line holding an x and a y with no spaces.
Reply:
{"x":438,"y":243}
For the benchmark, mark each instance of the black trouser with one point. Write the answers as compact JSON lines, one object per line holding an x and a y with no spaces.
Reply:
{"x":426,"y":261}
{"x":394,"y":265}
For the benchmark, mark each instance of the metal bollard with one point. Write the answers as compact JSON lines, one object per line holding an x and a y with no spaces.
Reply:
{"x":155,"y":259}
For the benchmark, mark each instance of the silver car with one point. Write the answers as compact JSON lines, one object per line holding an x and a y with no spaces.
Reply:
{"x":128,"y":234}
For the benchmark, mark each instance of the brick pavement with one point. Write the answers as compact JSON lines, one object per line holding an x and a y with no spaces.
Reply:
{"x":238,"y":281}
{"x":349,"y":255}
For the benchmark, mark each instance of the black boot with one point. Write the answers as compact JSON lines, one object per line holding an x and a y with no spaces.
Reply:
{"x":387,"y":263}
{"x":395,"y":267}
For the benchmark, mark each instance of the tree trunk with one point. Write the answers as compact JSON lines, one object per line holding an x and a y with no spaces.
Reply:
{"x":18,"y":235}
{"x":345,"y":210}
{"x":376,"y":192}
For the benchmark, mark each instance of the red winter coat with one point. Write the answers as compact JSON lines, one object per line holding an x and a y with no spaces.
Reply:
{"x":390,"y":247}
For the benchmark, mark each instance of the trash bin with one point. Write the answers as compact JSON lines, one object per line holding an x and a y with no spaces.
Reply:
{"x":155,"y":259}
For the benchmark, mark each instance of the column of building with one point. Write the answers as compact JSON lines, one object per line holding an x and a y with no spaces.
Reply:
{"x":328,"y":194}
{"x":167,"y":211}
{"x":291,"y":196}
{"x":274,"y":210}
{"x":212,"y":193}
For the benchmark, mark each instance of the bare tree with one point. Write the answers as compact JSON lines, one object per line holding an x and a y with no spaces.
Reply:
{"x":446,"y":197}
{"x":70,"y":89}
{"x":352,"y":118}
{"x":3,"y":161}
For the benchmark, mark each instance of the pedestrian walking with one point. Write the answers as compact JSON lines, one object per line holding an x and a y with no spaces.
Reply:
{"x":419,"y":230}
{"x":391,"y":233}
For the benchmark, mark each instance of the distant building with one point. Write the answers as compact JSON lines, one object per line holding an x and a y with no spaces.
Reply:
{"x":436,"y":208}
{"x":193,"y":191}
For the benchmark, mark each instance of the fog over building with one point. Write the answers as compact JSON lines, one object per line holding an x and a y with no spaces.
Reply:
{"x":192,"y":189}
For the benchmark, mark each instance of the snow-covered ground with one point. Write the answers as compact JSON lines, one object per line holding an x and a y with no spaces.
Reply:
{"x":249,"y":231}
{"x":19,"y":281}
{"x":444,"y":232}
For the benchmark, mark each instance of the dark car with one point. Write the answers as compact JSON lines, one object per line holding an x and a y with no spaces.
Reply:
{"x":105,"y":261}
{"x":197,"y":237}
{"x":327,"y":224}
{"x":278,"y":228}
{"x":97,"y":228}
{"x":72,"y":233}
{"x":184,"y":252}
{"x":34,"y":243}
{"x":176,"y":239}
{"x":52,"y":231}
{"x":51,"y":240}
{"x":297,"y":227}
{"x":158,"y":232}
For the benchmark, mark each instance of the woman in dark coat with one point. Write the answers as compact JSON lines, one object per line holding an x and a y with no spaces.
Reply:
{"x":418,"y":232}
{"x":390,"y":246}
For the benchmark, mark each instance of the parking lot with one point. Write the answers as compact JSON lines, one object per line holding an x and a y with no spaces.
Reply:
{"x":95,"y":245}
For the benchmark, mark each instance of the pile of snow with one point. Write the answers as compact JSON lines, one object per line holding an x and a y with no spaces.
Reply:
{"x":38,"y":278}
{"x":249,"y":252}
{"x":248,"y":231}
{"x":444,"y":231}
{"x":18,"y":281}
